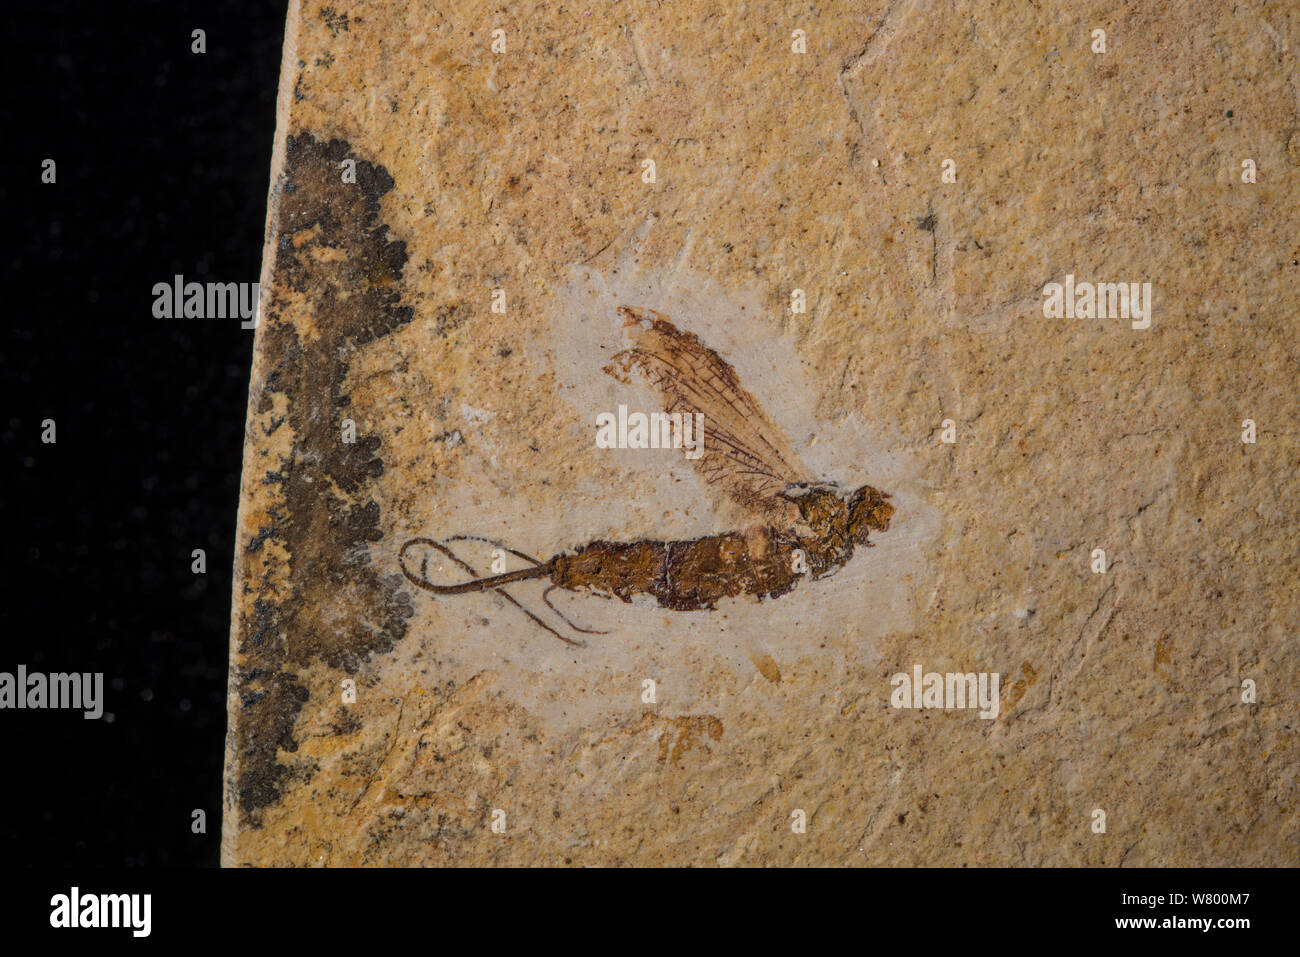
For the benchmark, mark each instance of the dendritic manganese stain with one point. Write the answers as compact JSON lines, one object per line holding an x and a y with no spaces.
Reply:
{"x":338,"y":274}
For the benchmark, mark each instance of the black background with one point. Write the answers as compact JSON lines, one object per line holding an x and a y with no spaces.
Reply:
{"x":163,"y":168}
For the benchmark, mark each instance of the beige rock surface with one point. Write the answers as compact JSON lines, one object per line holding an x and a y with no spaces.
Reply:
{"x":774,"y":171}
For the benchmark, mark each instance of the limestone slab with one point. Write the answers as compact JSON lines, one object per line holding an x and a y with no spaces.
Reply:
{"x":452,"y":231}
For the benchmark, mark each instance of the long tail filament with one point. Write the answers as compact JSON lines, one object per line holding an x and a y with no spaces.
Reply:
{"x":492,"y":582}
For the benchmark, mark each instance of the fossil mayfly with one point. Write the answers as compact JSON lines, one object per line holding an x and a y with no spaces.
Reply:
{"x":800,"y":527}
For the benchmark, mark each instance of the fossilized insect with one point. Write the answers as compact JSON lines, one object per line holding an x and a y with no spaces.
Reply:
{"x":800,"y":527}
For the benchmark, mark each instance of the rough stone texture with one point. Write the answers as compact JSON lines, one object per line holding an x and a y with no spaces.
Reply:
{"x":820,"y":171}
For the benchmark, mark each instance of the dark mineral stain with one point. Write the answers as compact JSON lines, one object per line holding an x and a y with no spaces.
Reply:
{"x":345,"y":723}
{"x":335,"y":253}
{"x":335,"y":21}
{"x":449,"y":318}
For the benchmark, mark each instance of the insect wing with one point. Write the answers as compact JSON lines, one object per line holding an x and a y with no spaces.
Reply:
{"x":745,"y":453}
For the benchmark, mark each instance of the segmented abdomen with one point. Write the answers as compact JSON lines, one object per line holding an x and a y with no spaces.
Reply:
{"x":684,"y":576}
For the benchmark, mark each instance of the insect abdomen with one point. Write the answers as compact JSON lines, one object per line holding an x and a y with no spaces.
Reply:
{"x":684,"y":576}
{"x":617,"y":569}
